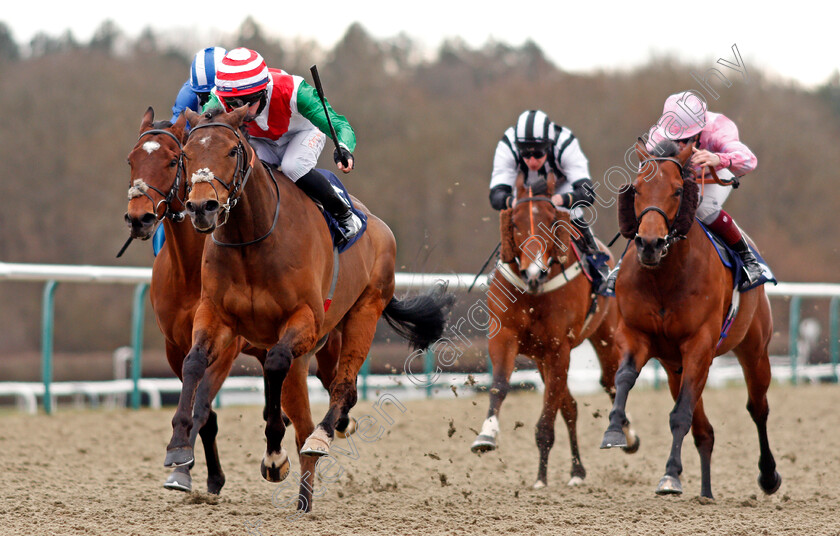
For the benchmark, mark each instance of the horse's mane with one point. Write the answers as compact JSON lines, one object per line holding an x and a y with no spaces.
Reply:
{"x":213,"y":112}
{"x":538,"y":186}
{"x":669,"y":149}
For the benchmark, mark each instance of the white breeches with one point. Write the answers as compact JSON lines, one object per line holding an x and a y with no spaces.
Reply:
{"x":713,"y":197}
{"x":294,"y":153}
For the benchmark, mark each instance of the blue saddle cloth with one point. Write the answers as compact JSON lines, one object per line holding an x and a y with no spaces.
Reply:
{"x":332,"y":224}
{"x":732,"y":260}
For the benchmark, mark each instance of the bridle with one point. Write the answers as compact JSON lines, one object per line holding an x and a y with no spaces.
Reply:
{"x":672,"y":235}
{"x":530,"y":200}
{"x":236,"y":186}
{"x":166,"y":198}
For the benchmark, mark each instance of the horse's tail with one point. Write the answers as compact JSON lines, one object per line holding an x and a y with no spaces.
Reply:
{"x":420,"y":319}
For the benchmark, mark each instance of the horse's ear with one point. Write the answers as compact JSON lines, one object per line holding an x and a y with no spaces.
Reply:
{"x":191,"y":116}
{"x":508,"y":247}
{"x":148,"y":119}
{"x":641,"y":150}
{"x":685,"y":155}
{"x":239,"y":114}
{"x":519,"y":185}
{"x":180,"y":123}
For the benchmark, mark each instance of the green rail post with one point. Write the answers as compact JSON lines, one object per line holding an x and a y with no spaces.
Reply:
{"x":429,"y":365}
{"x":47,"y":317}
{"x":365,"y":372}
{"x":656,"y":368}
{"x":140,"y":292}
{"x":793,"y":337}
{"x":834,"y":335}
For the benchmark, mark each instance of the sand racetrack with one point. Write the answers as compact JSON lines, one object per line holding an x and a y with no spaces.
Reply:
{"x":100,"y":472}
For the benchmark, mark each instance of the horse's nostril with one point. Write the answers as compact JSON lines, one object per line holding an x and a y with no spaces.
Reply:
{"x":190,"y":206}
{"x":127,"y":218}
{"x":660,"y":243}
{"x":148,"y":219}
{"x":211,"y":206}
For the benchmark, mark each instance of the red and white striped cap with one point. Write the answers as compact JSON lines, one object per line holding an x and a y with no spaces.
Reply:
{"x":241,"y":72}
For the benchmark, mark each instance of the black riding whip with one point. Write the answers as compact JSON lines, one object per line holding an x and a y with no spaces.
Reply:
{"x":317,"y":80}
{"x":485,"y":265}
{"x":125,"y":247}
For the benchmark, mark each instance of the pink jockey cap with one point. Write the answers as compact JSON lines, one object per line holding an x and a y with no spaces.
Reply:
{"x":241,"y":72}
{"x":683,"y":116}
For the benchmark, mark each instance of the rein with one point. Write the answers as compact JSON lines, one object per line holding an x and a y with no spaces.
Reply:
{"x":236,"y":186}
{"x":173,"y":191}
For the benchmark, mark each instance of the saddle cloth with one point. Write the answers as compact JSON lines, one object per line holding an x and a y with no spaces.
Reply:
{"x":732,"y":260}
{"x":332,"y":224}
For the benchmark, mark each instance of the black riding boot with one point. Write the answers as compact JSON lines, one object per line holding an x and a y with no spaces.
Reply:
{"x":590,"y":249}
{"x":752,"y":269}
{"x":316,"y":186}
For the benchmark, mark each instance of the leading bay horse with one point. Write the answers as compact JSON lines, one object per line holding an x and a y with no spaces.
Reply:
{"x":267,"y":276}
{"x":674,"y":296}
{"x":545,"y":307}
{"x":157,"y":190}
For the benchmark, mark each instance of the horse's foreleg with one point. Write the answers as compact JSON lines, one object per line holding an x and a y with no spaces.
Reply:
{"x":634,"y":349}
{"x":603,"y":341}
{"x":502,"y":348}
{"x":696,"y":359}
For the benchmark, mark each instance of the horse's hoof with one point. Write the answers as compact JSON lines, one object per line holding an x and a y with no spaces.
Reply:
{"x":348,"y":430}
{"x":179,"y":457}
{"x":539,"y":484}
{"x":275,"y":467}
{"x":669,"y":486}
{"x":179,"y":481}
{"x":774,"y":486}
{"x":575,"y":482}
{"x":483,"y":443}
{"x":317,"y":444}
{"x":614,"y":438}
{"x":632,"y":449}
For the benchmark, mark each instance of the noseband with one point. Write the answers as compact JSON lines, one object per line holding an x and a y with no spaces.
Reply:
{"x":173,"y":191}
{"x":240,"y":175}
{"x":672,"y":235}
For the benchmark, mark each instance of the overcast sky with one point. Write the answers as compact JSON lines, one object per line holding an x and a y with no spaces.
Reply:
{"x":794,"y":40}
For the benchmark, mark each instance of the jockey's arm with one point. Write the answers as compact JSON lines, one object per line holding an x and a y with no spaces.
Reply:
{"x":582,"y":194}
{"x":309,"y":106}
{"x":186,"y":99}
{"x":575,"y":167}
{"x":731,"y":152}
{"x":503,"y":177}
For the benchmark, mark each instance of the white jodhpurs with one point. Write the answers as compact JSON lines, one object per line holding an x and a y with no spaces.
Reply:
{"x":713,"y":198}
{"x":295,"y":153}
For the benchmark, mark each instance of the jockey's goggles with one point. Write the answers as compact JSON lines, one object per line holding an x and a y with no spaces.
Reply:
{"x":532,"y":153}
{"x":242,"y":100}
{"x":203,"y":97}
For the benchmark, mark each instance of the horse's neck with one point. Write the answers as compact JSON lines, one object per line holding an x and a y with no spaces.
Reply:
{"x":185,"y":244}
{"x":682,"y":266}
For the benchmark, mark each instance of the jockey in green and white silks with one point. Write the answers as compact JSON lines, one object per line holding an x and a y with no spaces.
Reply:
{"x":287,"y":126}
{"x":536,"y":146}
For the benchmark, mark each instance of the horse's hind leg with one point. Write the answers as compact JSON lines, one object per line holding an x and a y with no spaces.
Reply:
{"x":357,"y":336}
{"x":756,"y":366}
{"x":503,"y":348}
{"x":555,"y":375}
{"x":295,"y":400}
{"x":327,"y":358}
{"x":603,"y":341}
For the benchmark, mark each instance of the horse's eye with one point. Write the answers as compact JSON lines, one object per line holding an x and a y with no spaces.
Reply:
{"x":173,"y":163}
{"x":678,"y":192}
{"x":233,"y":152}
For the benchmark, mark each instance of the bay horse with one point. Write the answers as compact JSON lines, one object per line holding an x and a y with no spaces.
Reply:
{"x":674,"y":296}
{"x":545,"y":307}
{"x":157,"y":190}
{"x":267,"y":276}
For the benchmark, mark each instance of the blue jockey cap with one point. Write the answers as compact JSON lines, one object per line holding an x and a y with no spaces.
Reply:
{"x":203,"y":69}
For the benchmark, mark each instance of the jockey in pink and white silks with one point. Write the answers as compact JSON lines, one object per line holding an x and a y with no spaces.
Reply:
{"x":287,"y":127}
{"x":536,"y":146}
{"x":685,"y":118}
